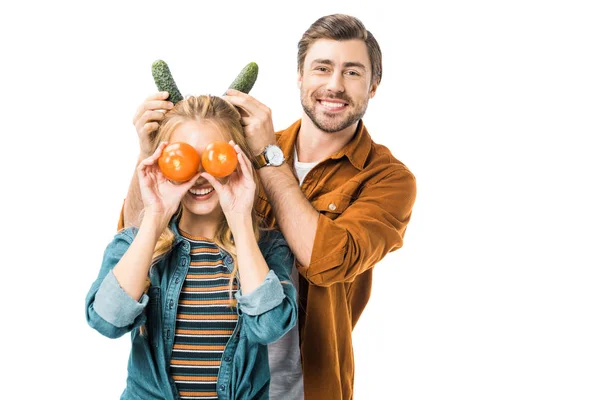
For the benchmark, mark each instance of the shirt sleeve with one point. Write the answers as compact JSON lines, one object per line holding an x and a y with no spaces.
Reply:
{"x":369,"y":228}
{"x":264,"y":298}
{"x":271,"y":310}
{"x":110,"y":310}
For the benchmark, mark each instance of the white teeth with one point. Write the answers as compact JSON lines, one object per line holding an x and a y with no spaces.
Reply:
{"x":201,"y":192}
{"x":332,"y":105}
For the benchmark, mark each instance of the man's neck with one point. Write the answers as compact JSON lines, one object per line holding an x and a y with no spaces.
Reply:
{"x":313,"y":145}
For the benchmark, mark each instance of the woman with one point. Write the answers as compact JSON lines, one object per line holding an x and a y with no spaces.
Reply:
{"x":200,"y":289}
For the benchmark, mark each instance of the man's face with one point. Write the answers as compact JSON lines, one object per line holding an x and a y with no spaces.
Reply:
{"x":335,"y":86}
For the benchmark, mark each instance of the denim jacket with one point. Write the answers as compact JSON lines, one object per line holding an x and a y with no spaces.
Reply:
{"x":265,"y":315}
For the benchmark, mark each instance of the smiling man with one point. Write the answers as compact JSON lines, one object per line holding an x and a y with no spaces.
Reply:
{"x":342,"y":202}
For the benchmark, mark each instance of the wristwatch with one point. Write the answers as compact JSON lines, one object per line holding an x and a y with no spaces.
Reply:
{"x":271,"y":155}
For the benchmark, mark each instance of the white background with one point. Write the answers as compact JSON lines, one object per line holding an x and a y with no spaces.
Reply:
{"x":492,"y":105}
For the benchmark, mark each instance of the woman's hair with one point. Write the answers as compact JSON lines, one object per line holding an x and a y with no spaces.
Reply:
{"x":341,"y":27}
{"x":227,"y":120}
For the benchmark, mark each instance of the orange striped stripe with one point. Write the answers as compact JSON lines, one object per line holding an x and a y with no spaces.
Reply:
{"x":189,"y":236}
{"x":195,"y":378}
{"x":207,"y":289}
{"x":207,"y":316}
{"x":194,"y":362}
{"x":205,"y":263}
{"x":197,"y":347}
{"x":204,"y":250}
{"x":208,"y":276}
{"x":206,"y":332}
{"x":207,"y":302}
{"x":198,"y":394}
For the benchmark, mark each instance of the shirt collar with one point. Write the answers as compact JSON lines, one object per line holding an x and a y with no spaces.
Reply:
{"x":356,"y":150}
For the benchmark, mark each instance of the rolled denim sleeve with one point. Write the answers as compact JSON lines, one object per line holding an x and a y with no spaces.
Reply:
{"x":110,"y":310}
{"x":264,"y":298}
{"x":271,"y":310}
{"x":114,"y":305}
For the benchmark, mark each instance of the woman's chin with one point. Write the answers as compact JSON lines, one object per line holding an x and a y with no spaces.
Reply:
{"x":201,"y":208}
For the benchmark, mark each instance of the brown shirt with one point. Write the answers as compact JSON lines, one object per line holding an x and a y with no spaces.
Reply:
{"x":364,"y":197}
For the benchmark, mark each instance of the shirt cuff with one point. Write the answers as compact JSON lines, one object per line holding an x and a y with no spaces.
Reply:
{"x":114,"y":305}
{"x":264,"y":298}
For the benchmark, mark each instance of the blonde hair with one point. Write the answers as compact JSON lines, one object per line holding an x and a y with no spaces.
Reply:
{"x":227,"y":119}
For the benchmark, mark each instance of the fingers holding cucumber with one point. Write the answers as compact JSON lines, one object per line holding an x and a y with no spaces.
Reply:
{"x":148,"y":117}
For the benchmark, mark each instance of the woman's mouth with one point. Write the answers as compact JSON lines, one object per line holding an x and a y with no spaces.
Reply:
{"x":202,"y":193}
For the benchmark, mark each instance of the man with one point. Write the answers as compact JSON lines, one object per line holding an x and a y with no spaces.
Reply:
{"x":342,"y":201}
{"x":354,"y":200}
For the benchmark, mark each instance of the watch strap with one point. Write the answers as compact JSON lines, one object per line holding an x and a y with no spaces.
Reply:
{"x":260,"y":160}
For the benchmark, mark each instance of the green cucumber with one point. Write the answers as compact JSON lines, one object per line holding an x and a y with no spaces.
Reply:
{"x":164,"y":81}
{"x":245,"y":80}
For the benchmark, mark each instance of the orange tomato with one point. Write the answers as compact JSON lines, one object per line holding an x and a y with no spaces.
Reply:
{"x":219,"y":159}
{"x":179,"y":162}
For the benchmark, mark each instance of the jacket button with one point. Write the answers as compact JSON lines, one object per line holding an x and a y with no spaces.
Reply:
{"x":228,"y":260}
{"x":182,"y":261}
{"x":222,"y":387}
{"x":169,"y":334}
{"x":171,"y":304}
{"x":228,"y":359}
{"x":332,"y":207}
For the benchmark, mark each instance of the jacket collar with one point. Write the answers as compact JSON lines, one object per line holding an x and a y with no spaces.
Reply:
{"x":356,"y":150}
{"x":173,"y":226}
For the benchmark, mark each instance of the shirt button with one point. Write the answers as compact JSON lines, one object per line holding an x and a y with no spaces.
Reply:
{"x":332,"y":207}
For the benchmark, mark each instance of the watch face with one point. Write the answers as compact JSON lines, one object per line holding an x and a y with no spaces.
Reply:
{"x":274,"y":155}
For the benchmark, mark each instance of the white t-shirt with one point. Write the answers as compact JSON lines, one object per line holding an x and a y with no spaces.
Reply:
{"x":302,"y":168}
{"x":284,"y":354}
{"x":285,"y":364}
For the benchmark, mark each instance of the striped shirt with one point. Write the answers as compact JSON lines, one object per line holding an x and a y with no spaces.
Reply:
{"x":206,"y":319}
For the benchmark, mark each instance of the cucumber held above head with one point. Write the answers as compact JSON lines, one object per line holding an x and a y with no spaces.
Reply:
{"x":164,"y":81}
{"x":245,"y":80}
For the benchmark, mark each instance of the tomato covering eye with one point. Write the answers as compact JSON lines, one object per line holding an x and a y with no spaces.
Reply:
{"x":179,"y":162}
{"x":219,"y":159}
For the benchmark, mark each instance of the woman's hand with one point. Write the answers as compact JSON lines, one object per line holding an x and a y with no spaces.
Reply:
{"x":159,"y":195}
{"x":236,"y":196}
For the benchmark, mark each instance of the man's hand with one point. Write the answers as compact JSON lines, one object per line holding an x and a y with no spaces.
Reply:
{"x":256,"y":119}
{"x":147,"y":117}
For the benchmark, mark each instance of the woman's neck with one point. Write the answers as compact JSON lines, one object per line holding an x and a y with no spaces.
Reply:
{"x":199,"y":225}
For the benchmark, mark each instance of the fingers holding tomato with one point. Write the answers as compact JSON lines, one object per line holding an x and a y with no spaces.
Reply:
{"x":244,"y":163}
{"x":236,"y":193}
{"x":169,"y":164}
